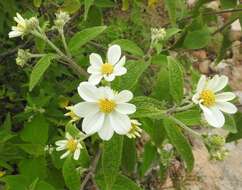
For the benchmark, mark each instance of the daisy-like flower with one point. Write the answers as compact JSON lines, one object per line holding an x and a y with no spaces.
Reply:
{"x":23,"y":27}
{"x":135,"y":129}
{"x":104,"y":111}
{"x":71,"y":145}
{"x":213,"y":103}
{"x":114,"y":66}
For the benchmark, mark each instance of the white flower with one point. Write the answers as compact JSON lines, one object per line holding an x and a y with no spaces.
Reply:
{"x":114,"y":66}
{"x":135,"y":130}
{"x":104,"y":110}
{"x":61,"y":19}
{"x":71,"y":114}
{"x":23,"y":26}
{"x":213,"y":103}
{"x":72,"y":145}
{"x":157,"y":34}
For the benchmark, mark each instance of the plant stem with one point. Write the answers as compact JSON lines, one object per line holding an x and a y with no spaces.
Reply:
{"x":182,"y":125}
{"x":224,"y":26}
{"x":91,"y":169}
{"x":64,"y":42}
{"x":184,"y":108}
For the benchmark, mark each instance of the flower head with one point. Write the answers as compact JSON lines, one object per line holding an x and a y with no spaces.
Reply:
{"x":114,"y":66}
{"x":23,"y":57}
{"x":135,"y":129}
{"x":157,"y":34}
{"x":61,"y":19}
{"x":23,"y":27}
{"x":104,"y":111}
{"x":71,"y":145}
{"x":71,"y":114}
{"x":213,"y":103}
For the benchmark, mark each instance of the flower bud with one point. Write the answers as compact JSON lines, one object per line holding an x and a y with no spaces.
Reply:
{"x":135,"y":131}
{"x":61,"y":19}
{"x":71,"y":114}
{"x":157,"y":34}
{"x":23,"y":57}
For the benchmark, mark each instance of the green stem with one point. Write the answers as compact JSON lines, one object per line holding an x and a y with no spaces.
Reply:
{"x":64,"y":42}
{"x":182,"y":125}
{"x":184,"y":108}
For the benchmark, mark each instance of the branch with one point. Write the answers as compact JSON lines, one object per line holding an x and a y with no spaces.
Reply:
{"x":92,"y":169}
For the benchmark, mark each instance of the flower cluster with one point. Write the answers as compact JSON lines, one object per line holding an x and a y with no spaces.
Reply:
{"x":157,"y":34}
{"x":23,"y":57}
{"x":61,"y":19}
{"x":24,"y":26}
{"x":213,"y":103}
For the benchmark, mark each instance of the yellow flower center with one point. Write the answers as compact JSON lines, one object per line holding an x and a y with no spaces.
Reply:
{"x":107,"y":68}
{"x":208,"y":98}
{"x":72,"y":145}
{"x":106,"y":106}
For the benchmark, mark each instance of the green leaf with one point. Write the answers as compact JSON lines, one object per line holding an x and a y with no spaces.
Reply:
{"x":171,"y":7}
{"x":175,"y":79}
{"x":7,"y":125}
{"x":170,"y":32}
{"x":134,"y":71}
{"x":234,"y":137}
{"x":197,"y":39}
{"x":37,"y":3}
{"x":16,"y":182}
{"x":42,"y":185}
{"x":124,"y":183}
{"x":39,"y":69}
{"x":227,"y":4}
{"x":86,"y":35}
{"x":180,"y":143}
{"x":71,"y":6}
{"x":149,"y":156}
{"x":189,"y":117}
{"x":71,"y":176}
{"x":33,"y":149}
{"x":5,"y":136}
{"x":129,"y":46}
{"x":129,"y":157}
{"x":148,"y":107}
{"x":226,"y":43}
{"x":104,"y":3}
{"x":35,"y":131}
{"x":111,"y":159}
{"x":87,"y":5}
{"x":33,"y":168}
{"x":230,"y":124}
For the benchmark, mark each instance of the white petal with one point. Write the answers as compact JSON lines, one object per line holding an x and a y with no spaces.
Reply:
{"x":225,"y":96}
{"x":87,"y":91}
{"x":109,"y":78}
{"x":213,"y":82}
{"x":106,"y":132}
{"x":93,"y":123}
{"x":121,"y":123}
{"x":118,"y":71}
{"x":14,"y":34}
{"x":93,"y":70}
{"x":61,"y":142}
{"x":65,"y":154}
{"x":77,"y":154}
{"x":123,"y":96}
{"x":222,"y":82}
{"x":68,"y":136}
{"x":105,"y":92}
{"x":125,"y":108}
{"x":95,"y":60}
{"x":60,"y":148}
{"x":84,"y":109}
{"x":114,"y":54}
{"x":227,"y":107}
{"x":195,"y":98}
{"x":213,"y":116}
{"x":95,"y":79}
{"x":121,"y":62}
{"x":201,"y":83}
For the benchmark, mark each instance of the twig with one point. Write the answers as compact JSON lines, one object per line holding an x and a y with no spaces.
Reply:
{"x":92,"y":169}
{"x":224,"y":26}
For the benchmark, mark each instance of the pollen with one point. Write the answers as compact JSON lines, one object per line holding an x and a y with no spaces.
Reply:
{"x":106,"y":106}
{"x":107,"y":68}
{"x":72,"y":145}
{"x":207,"y":97}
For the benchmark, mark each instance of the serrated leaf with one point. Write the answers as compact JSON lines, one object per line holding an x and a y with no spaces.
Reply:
{"x":71,"y":6}
{"x":197,"y":39}
{"x":84,"y":36}
{"x":175,"y":79}
{"x":149,"y":156}
{"x":189,"y":117}
{"x":39,"y":69}
{"x":87,"y":5}
{"x":111,"y":159}
{"x":134,"y":71}
{"x":71,"y":176}
{"x":179,"y":141}
{"x":129,"y":46}
{"x":35,"y":131}
{"x":148,"y":107}
{"x":129,"y":156}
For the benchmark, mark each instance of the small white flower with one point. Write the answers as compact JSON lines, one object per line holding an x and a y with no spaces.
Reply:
{"x":72,"y":145}
{"x":157,"y":34}
{"x":114,"y":66}
{"x":104,"y":110}
{"x":61,"y":19}
{"x":135,"y":129}
{"x":23,"y":57}
{"x":213,"y":103}
{"x":23,"y":27}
